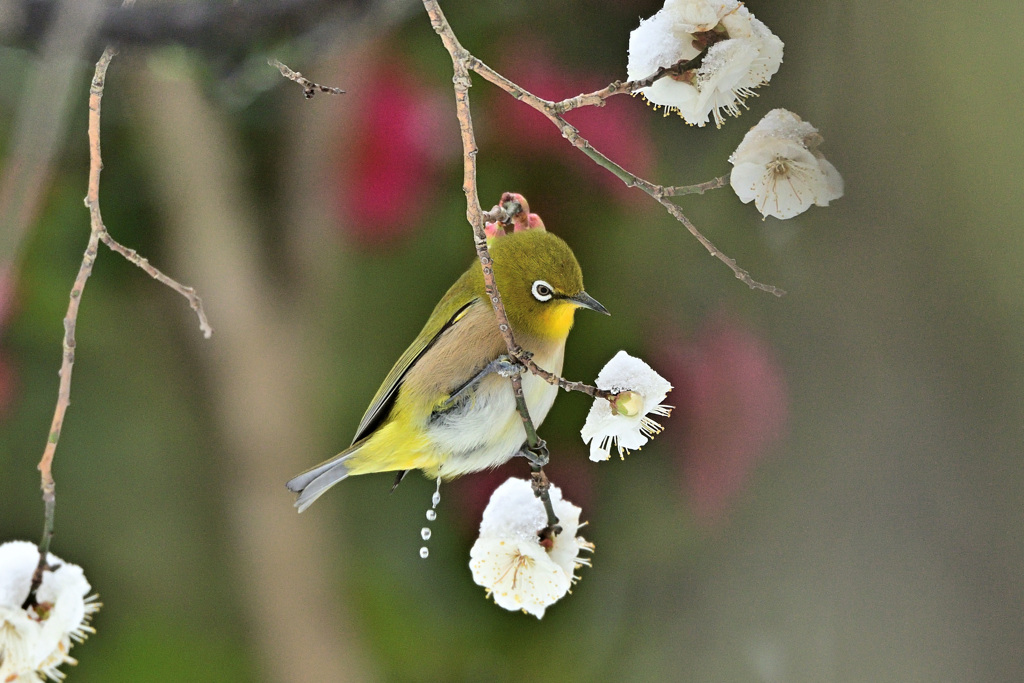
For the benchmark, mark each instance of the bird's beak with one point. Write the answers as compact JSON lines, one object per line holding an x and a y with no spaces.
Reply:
{"x":584,"y":300}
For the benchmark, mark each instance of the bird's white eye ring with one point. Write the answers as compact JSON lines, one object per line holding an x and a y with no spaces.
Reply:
{"x":542,"y":291}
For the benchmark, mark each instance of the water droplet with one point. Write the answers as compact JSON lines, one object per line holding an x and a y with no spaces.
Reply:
{"x":424,"y":552}
{"x":436,"y":499}
{"x":431,"y":515}
{"x":425,"y":533}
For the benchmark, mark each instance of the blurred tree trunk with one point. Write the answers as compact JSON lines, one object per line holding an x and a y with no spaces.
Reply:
{"x":260,"y":384}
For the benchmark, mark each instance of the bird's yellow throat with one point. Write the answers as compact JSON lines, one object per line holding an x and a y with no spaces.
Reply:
{"x":556,"y":321}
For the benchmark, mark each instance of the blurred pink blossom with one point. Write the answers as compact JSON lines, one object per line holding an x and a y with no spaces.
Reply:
{"x":731,"y":395}
{"x":618,"y":130}
{"x":395,"y":145}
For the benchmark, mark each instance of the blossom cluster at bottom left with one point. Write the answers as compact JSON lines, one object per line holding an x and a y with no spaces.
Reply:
{"x":36,"y":635}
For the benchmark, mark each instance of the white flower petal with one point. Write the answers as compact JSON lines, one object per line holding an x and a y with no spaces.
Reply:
{"x":657,"y":43}
{"x":724,"y":68}
{"x":18,"y":635}
{"x":700,"y":15}
{"x":777,"y":166}
{"x":673,"y":94}
{"x":518,"y":574}
{"x":833,"y":182}
{"x":37,"y":640}
{"x":743,"y":25}
{"x":605,"y":430}
{"x":18,"y":560}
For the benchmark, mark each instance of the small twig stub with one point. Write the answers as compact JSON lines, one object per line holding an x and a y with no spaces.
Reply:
{"x":309,"y":88}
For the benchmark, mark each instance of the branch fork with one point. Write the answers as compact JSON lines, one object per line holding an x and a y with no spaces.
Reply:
{"x":98,"y":233}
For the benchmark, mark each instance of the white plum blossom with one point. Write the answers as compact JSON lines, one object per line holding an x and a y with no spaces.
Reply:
{"x":35,"y":640}
{"x":623,"y":421}
{"x":779,"y":168}
{"x":742,"y":54}
{"x":698,"y":16}
{"x":519,"y":569}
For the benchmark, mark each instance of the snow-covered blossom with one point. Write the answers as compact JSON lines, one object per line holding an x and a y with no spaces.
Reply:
{"x":519,"y":568}
{"x":779,"y":168}
{"x":623,"y":422}
{"x":34,"y":641}
{"x":742,"y":54}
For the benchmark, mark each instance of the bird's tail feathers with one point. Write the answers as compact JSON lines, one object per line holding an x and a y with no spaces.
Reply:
{"x":312,"y":483}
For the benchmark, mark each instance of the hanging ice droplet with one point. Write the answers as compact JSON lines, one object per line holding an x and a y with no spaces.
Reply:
{"x":431,"y":516}
{"x":437,"y":493}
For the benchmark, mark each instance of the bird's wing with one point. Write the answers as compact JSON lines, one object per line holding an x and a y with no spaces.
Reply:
{"x":449,"y":311}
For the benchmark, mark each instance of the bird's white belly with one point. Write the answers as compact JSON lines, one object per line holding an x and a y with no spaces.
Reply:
{"x":489,"y":431}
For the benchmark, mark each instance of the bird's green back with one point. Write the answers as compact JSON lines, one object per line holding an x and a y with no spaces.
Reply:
{"x":460,"y":296}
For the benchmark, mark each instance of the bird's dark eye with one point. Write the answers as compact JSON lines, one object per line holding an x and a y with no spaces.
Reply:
{"x":542,"y":291}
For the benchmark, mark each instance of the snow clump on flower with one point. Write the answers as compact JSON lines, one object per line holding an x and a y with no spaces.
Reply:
{"x":520,"y":567}
{"x":779,"y":168}
{"x":741,"y":54}
{"x":36,"y":639}
{"x":622,"y":421}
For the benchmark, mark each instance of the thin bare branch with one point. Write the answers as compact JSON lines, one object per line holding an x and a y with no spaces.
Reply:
{"x":142,"y":262}
{"x":71,"y":317}
{"x":309,"y":88}
{"x":98,"y":233}
{"x":474,"y":213}
{"x":699,"y":188}
{"x":598,"y":97}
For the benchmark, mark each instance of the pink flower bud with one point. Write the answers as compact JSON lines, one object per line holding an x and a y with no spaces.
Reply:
{"x":535,"y":223}
{"x":493,"y":230}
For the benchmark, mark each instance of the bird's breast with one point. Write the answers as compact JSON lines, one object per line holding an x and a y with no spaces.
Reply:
{"x":486,"y":430}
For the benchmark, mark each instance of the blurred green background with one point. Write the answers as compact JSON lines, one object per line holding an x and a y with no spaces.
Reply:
{"x":837,"y":497}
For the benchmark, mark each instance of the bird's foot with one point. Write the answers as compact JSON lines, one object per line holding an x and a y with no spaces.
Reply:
{"x":503,"y":365}
{"x":538,"y":456}
{"x":506,"y":367}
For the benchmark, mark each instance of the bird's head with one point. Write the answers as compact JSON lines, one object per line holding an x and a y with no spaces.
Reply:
{"x":540,"y":283}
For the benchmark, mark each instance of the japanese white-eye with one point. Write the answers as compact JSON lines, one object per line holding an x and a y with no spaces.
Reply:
{"x":447,"y":406}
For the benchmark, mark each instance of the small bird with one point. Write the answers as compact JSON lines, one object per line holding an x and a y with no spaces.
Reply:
{"x":447,"y":406}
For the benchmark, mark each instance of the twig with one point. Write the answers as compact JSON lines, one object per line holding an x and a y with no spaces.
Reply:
{"x":598,"y":97}
{"x":71,"y":317}
{"x":538,"y":452}
{"x":98,"y":233}
{"x":474,"y":213}
{"x":309,"y":88}
{"x":142,"y":262}
{"x":699,"y":188}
